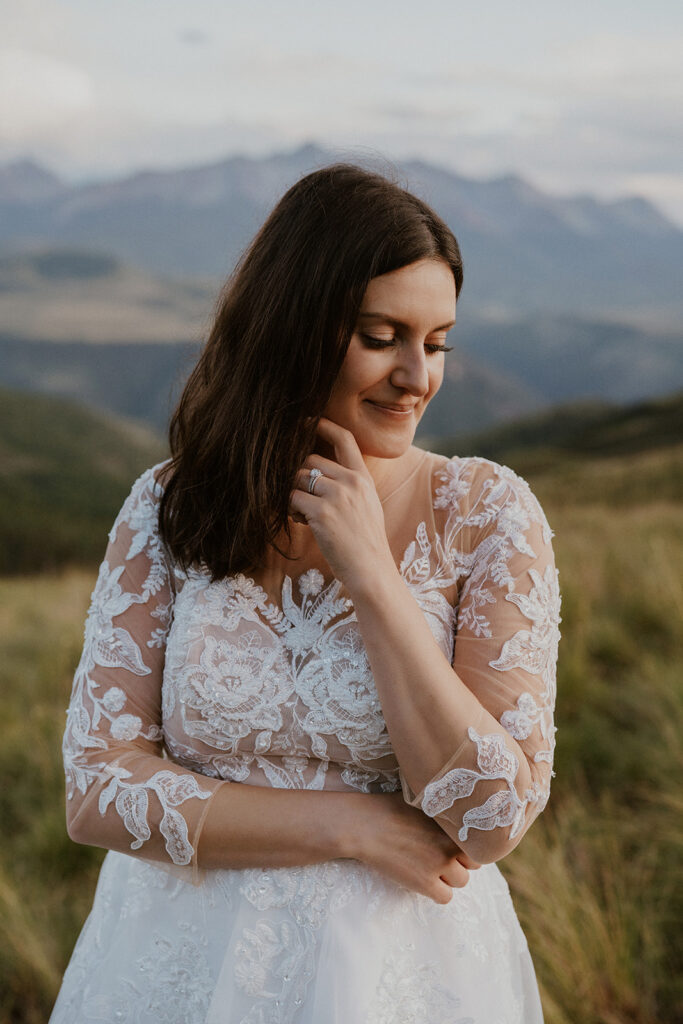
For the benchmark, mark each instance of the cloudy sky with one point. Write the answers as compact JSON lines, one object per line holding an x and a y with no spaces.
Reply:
{"x":579,"y":97}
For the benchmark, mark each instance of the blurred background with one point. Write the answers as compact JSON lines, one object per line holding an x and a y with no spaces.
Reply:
{"x":141,"y":146}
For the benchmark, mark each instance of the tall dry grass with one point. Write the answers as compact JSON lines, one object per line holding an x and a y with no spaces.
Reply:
{"x":46,"y":881}
{"x":596,"y":883}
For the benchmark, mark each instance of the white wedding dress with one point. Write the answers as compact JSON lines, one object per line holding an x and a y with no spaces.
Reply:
{"x":185,"y":686}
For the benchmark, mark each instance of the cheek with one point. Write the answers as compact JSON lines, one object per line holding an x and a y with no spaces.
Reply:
{"x":436,"y":378}
{"x":340,"y":393}
{"x":358,"y":373}
{"x":341,"y":398}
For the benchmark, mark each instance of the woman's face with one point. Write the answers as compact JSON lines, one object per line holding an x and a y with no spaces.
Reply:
{"x":395,"y":361}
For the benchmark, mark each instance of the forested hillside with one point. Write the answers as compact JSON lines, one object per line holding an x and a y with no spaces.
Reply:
{"x":592,"y":453}
{"x":64,"y":472}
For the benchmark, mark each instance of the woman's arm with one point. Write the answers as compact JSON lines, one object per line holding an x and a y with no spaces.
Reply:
{"x":251,"y":826}
{"x":121,"y":793}
{"x":453,"y":726}
{"x":474,"y":739}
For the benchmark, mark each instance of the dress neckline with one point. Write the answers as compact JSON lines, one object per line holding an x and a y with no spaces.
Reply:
{"x":404,"y":480}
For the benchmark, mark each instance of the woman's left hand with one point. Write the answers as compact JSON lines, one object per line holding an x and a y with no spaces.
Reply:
{"x":344,"y":512}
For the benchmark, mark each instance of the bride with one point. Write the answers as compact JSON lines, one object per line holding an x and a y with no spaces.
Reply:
{"x":314,"y":705}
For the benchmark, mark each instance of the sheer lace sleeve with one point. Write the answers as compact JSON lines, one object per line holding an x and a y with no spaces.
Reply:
{"x":498,"y":543}
{"x":121,"y":793}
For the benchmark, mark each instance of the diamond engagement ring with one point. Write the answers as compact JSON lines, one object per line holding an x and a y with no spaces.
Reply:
{"x":312,"y":477}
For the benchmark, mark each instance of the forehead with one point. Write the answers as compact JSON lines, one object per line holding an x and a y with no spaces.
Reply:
{"x":425,"y":288}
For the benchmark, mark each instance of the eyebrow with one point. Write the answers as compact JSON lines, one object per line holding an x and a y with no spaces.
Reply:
{"x":400,"y":323}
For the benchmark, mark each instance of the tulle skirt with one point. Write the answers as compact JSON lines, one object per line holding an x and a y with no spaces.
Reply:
{"x":332,"y":943}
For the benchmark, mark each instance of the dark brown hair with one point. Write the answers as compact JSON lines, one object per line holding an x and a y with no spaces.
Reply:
{"x":247,"y":417}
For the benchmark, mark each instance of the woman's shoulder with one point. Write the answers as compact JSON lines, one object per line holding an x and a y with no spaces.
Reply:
{"x":151,"y":481}
{"x":465,"y":472}
{"x":158,"y":474}
{"x":140,"y":507}
{"x":474,"y":486}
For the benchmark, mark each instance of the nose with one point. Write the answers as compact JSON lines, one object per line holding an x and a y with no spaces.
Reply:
{"x":411,"y":372}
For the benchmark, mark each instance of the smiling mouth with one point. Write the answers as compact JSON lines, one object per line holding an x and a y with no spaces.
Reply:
{"x":396,"y":410}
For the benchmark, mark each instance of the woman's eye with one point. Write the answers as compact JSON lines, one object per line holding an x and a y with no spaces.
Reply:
{"x":377,"y":342}
{"x":372,"y":342}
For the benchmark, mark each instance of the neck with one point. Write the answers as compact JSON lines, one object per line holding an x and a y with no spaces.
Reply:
{"x":386,"y":473}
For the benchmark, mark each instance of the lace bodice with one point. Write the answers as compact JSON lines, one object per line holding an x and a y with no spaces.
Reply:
{"x":185,"y":685}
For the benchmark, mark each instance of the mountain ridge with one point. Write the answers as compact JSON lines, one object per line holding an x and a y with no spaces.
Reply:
{"x":30,"y":174}
{"x":524,"y":250}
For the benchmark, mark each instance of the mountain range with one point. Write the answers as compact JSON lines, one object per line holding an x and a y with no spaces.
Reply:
{"x":107,"y":289}
{"x":524,"y":250}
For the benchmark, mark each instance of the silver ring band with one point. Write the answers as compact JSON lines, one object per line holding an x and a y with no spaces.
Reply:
{"x":312,"y":477}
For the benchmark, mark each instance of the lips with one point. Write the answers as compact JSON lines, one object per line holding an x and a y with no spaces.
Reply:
{"x":389,"y":407}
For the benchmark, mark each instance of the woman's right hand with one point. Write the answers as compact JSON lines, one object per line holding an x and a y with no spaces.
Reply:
{"x":404,"y":844}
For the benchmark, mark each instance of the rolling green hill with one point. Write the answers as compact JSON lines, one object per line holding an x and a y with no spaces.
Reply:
{"x":64,"y":472}
{"x":591,"y":452}
{"x":586,"y":428}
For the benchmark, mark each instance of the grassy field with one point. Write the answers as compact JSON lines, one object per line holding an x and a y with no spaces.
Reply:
{"x":597,"y":882}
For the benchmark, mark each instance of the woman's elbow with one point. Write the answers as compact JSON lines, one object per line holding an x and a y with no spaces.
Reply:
{"x":488,"y":847}
{"x":79,"y":824}
{"x":482,"y":847}
{"x":73,"y":823}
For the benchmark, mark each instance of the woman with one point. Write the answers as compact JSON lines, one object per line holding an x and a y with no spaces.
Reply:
{"x":278,"y":607}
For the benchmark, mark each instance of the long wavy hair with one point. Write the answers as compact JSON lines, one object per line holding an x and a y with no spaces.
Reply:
{"x":247,"y":417}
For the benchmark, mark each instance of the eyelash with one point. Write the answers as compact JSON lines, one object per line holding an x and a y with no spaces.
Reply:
{"x":378,"y":344}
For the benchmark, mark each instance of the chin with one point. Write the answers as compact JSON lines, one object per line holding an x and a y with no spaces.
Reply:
{"x":377,"y":446}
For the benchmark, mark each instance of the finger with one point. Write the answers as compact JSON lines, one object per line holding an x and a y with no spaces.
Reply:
{"x":455,"y":874}
{"x":328,"y":467}
{"x":304,"y":504}
{"x":302,"y":482}
{"x":345,"y":446}
{"x":467,"y":861}
{"x":442,"y":892}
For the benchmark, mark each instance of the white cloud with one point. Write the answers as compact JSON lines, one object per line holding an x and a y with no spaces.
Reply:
{"x":622,"y":59}
{"x":193,"y":36}
{"x":665,"y":190}
{"x":39,"y":95}
{"x":580,"y":99}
